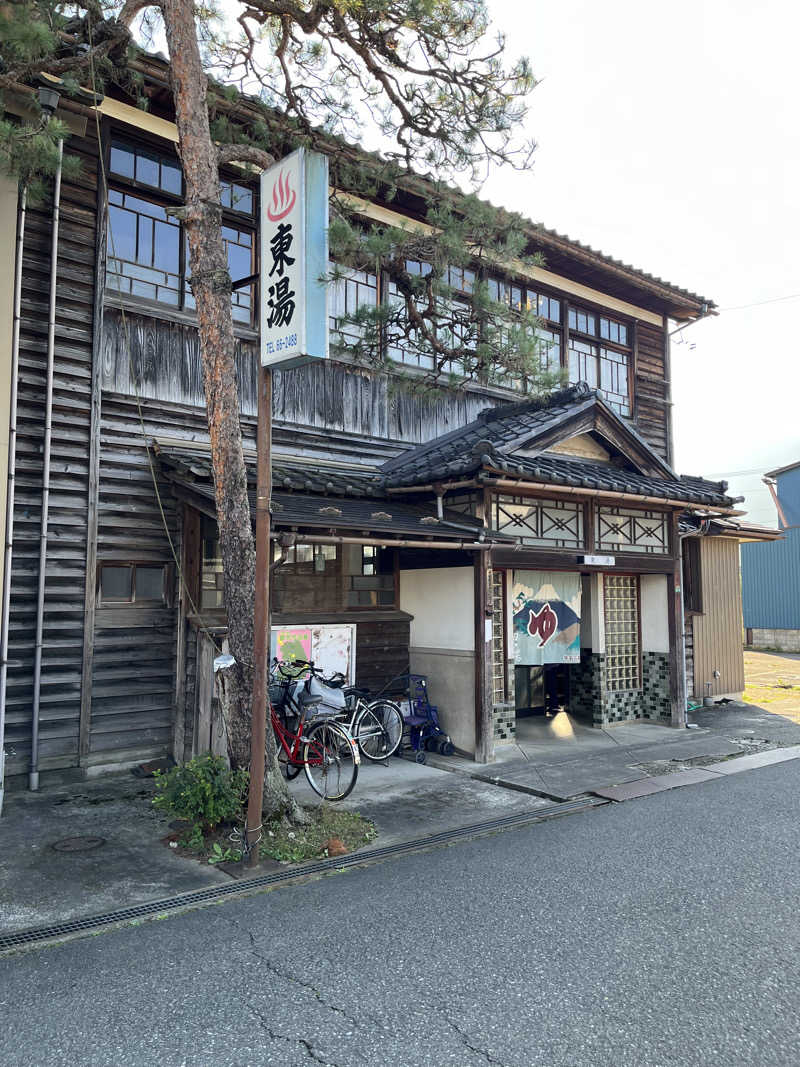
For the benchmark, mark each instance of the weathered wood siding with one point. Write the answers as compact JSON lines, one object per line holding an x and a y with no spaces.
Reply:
{"x":165,"y":359}
{"x":381,"y":652}
{"x":651,"y":389}
{"x":133,"y":673}
{"x":64,"y":590}
{"x":718,"y":631}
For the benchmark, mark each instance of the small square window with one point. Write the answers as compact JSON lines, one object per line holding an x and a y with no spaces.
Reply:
{"x":132,"y":583}
{"x":116,"y":583}
{"x":149,"y":583}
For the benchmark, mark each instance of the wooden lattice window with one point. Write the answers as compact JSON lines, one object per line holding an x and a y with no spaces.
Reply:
{"x":623,"y":653}
{"x":629,"y":530}
{"x":548,"y":523}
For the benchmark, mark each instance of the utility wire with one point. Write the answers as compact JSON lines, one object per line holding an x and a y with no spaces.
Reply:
{"x":760,"y":303}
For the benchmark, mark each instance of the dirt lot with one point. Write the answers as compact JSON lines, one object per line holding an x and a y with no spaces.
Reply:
{"x":772,"y":681}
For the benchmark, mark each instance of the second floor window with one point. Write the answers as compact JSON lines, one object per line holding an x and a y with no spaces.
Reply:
{"x":600,"y":355}
{"x":148,"y":256}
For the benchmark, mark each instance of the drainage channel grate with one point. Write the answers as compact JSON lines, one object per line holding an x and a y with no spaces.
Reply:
{"x":216,"y":893}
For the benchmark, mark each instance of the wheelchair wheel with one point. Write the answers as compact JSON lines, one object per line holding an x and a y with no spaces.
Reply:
{"x":419,"y":756}
{"x":447,"y":748}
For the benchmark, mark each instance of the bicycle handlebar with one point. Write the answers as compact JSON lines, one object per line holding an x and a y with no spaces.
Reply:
{"x":296,"y":667}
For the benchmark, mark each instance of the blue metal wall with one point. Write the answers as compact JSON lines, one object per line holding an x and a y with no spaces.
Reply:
{"x":771,"y":570}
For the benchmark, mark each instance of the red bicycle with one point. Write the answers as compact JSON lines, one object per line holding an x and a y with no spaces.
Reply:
{"x":324,"y":749}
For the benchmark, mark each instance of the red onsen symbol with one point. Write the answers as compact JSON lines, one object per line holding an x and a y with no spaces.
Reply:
{"x":544,"y":624}
{"x":283,"y":199}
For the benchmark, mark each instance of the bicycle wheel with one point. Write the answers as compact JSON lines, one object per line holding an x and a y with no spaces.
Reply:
{"x":330,"y":759}
{"x":379,"y":729}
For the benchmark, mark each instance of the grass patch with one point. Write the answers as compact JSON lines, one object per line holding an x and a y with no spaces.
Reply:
{"x":281,"y":841}
{"x":294,"y":844}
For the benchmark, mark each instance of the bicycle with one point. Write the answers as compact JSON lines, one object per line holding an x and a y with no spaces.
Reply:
{"x":320,"y":746}
{"x":376,"y":726}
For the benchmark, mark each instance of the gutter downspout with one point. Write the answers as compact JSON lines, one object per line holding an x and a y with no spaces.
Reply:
{"x":12,"y":459}
{"x":33,"y":777}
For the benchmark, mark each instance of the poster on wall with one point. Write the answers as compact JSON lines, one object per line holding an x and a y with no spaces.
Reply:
{"x":290,"y":643}
{"x":331,"y":648}
{"x":546,"y":617}
{"x":334,"y":650}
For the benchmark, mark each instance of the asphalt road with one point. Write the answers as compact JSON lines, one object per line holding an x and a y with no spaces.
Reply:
{"x":661,"y":931}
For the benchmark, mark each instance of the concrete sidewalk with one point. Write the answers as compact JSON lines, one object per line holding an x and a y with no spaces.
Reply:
{"x":558,"y":759}
{"x":561,"y":757}
{"x":129,"y":864}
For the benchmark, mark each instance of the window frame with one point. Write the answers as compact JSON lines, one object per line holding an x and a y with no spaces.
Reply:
{"x":502,"y":288}
{"x":165,"y":600}
{"x":600,"y":343}
{"x":231,"y":218}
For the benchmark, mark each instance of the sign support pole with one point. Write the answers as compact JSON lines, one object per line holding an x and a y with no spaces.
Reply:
{"x":261,"y":616}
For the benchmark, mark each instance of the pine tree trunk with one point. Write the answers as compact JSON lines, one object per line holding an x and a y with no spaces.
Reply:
{"x":211,"y":286}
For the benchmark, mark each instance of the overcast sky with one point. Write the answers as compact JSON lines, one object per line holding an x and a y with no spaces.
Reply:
{"x":669,"y":138}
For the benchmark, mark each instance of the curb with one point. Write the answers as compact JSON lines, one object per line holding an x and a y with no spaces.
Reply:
{"x":695,"y":775}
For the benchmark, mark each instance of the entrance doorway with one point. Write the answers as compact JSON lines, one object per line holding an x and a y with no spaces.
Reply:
{"x":541,"y":690}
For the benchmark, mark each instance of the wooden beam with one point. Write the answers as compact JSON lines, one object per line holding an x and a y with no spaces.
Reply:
{"x":484,"y":723}
{"x":188,"y":601}
{"x":677,"y":681}
{"x":567,"y":560}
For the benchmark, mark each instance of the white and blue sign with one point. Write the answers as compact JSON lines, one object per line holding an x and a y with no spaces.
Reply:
{"x":294,"y":260}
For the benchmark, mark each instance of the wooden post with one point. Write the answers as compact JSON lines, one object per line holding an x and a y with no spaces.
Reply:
{"x":677,"y":678}
{"x":484,"y":723}
{"x":261,"y":614}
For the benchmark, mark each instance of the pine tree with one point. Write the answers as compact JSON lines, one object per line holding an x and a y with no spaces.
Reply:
{"x":421,"y":75}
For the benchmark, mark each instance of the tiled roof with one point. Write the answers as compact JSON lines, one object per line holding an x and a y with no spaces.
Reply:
{"x":460,"y":450}
{"x":190,"y":469}
{"x":489,"y":443}
{"x":604,"y":477}
{"x":195,"y":462}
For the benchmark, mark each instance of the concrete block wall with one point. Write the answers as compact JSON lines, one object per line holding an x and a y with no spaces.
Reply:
{"x":781,"y":640}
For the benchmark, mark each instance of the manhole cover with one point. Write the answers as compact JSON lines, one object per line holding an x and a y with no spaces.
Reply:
{"x":78,"y":844}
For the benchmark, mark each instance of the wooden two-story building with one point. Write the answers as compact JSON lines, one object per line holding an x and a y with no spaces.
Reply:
{"x":414,"y":531}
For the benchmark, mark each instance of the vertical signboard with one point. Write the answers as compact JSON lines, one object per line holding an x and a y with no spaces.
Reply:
{"x":294,"y":260}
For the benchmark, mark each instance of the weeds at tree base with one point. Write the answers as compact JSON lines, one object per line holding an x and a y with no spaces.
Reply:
{"x":282,"y":840}
{"x":294,"y":844}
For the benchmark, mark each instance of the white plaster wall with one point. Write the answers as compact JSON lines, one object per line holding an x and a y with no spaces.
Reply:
{"x":586,"y":611}
{"x":441,"y":601}
{"x":593,"y":622}
{"x":654,"y":612}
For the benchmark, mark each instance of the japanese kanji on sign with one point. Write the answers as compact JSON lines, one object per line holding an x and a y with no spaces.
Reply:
{"x":294,"y":260}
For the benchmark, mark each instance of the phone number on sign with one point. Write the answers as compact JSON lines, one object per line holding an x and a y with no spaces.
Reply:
{"x":282,"y":344}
